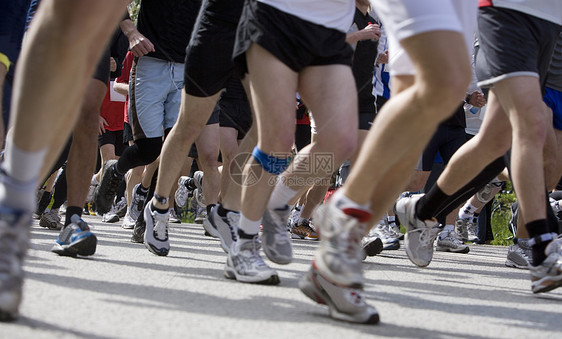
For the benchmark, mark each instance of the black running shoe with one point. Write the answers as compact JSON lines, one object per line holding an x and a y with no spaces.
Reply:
{"x":105,"y":192}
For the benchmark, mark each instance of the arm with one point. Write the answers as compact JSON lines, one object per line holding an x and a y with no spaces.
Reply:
{"x":121,"y":88}
{"x":372,"y":31}
{"x":138,"y":43}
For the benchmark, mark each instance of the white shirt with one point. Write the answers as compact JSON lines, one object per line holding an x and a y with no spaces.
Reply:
{"x":336,"y":14}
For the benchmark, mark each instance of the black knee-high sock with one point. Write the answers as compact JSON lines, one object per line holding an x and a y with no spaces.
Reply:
{"x":429,"y":204}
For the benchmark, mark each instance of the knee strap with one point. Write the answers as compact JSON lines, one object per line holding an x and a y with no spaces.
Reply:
{"x":271,"y":164}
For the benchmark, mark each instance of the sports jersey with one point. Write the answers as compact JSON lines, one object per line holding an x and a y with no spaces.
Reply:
{"x":336,"y":14}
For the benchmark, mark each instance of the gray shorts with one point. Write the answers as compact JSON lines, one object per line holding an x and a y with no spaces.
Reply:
{"x":522,"y":46}
{"x":155,"y":96}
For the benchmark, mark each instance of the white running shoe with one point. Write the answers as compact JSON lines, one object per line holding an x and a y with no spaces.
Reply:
{"x":156,"y":234}
{"x":448,"y":241}
{"x":420,"y":234}
{"x":245,"y":264}
{"x":128,"y":222}
{"x":548,"y":275}
{"x":276,"y":238}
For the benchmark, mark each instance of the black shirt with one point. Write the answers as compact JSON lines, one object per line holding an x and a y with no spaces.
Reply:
{"x":168,"y":25}
{"x":363,"y":65}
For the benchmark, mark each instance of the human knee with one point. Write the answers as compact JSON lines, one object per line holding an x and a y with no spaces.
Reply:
{"x":208,"y":158}
{"x":341,"y":143}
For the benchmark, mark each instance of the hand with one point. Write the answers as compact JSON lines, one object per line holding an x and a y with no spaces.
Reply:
{"x":101,"y":125}
{"x":140,"y":45}
{"x":112,"y":64}
{"x":477,"y":99}
{"x":372,"y":31}
{"x":382,"y":58}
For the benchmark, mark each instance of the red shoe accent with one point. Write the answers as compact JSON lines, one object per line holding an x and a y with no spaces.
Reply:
{"x":362,"y":215}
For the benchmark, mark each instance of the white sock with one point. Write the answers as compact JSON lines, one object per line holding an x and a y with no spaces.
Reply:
{"x":343,"y":202}
{"x":22,"y":165}
{"x":248,"y":226}
{"x":467,"y":211}
{"x":22,"y":169}
{"x":391,"y":219}
{"x":281,"y":195}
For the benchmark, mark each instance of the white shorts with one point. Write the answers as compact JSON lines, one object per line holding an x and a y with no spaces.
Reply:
{"x":402,"y":19}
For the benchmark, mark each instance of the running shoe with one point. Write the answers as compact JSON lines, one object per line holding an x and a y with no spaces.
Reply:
{"x":303,"y":230}
{"x":137,"y":204}
{"x":344,"y":303}
{"x":51,"y":220}
{"x":223,"y":228}
{"x":182,"y":193}
{"x":518,"y":255}
{"x":104,"y":194}
{"x":174,"y":217}
{"x":14,"y":241}
{"x":128,"y":222}
{"x":245,"y":264}
{"x":156,"y":233}
{"x":548,"y":275}
{"x":335,"y":278}
{"x":420,"y":234}
{"x":275,"y":237}
{"x":448,"y":241}
{"x":75,"y":239}
{"x":111,"y":216}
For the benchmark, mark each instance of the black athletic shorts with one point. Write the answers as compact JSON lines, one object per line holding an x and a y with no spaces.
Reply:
{"x":214,"y":118}
{"x":513,"y":44}
{"x":112,"y":138}
{"x":235,"y":114}
{"x":446,"y":140}
{"x":295,"y":42}
{"x":208,"y":62}
{"x":127,"y":133}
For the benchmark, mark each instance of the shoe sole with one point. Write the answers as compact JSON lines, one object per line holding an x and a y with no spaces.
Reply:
{"x":446,"y":249}
{"x":230,"y":273}
{"x":85,"y":247}
{"x":315,"y":291}
{"x":512,"y":264}
{"x":540,"y":287}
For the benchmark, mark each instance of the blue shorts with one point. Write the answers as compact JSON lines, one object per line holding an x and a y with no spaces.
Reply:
{"x":553,"y":99}
{"x":156,"y":92}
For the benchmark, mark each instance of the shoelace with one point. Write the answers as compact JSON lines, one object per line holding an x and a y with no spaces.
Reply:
{"x":428,"y":235}
{"x":161,"y":226}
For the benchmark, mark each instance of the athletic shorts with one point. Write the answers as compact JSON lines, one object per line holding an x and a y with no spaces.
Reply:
{"x":114,"y":138}
{"x":295,"y":42}
{"x":155,"y":96}
{"x":553,"y":99}
{"x":446,"y":141}
{"x":522,"y":47}
{"x":235,"y":114}
{"x":214,"y":118}
{"x":127,"y":133}
{"x":208,"y":63}
{"x":402,"y":19}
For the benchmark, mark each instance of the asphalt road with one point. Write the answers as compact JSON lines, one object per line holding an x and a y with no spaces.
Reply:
{"x":124,"y":291}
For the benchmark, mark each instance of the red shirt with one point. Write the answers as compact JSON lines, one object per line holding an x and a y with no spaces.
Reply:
{"x":112,"y":111}
{"x":124,"y":79}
